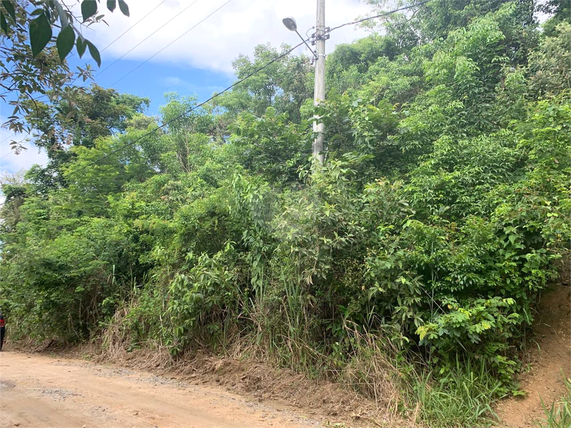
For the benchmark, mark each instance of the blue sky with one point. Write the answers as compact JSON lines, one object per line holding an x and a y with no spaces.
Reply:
{"x":189,"y":57}
{"x":154,"y":79}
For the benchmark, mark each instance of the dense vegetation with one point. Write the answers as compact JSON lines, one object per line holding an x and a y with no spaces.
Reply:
{"x":438,"y":218}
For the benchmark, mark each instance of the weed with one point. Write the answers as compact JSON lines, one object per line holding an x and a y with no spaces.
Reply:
{"x":463,"y":397}
{"x":558,"y":415}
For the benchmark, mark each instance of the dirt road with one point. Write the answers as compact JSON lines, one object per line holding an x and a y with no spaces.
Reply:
{"x":42,"y":392}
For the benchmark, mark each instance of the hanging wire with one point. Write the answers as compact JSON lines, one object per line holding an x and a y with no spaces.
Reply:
{"x":380,"y":15}
{"x":180,"y":116}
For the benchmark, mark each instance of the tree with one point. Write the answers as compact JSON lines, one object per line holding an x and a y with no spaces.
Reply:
{"x":32,"y":58}
{"x":347,"y":67}
{"x":79,"y":118}
{"x":438,"y":219}
{"x":560,"y":11}
{"x":284,"y":85}
{"x":437,"y":19}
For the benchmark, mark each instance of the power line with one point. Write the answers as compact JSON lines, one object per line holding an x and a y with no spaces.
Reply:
{"x":102,"y":50}
{"x":146,"y":38}
{"x":380,"y":15}
{"x":180,"y":116}
{"x":229,"y":87}
{"x":11,"y":136}
{"x":175,"y":40}
{"x":117,"y":38}
{"x":106,"y":47}
{"x":11,"y":151}
{"x":7,"y":138}
{"x":132,"y":26}
{"x":122,"y":34}
{"x":6,"y":155}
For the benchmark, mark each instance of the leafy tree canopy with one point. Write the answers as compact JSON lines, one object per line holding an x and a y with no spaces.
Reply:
{"x":35,"y":38}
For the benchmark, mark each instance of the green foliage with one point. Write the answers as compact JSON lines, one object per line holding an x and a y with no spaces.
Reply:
{"x":463,"y":397}
{"x":348,"y":66}
{"x":550,"y":74}
{"x":284,"y":85}
{"x":437,"y":220}
{"x":271,"y":145}
{"x":32,"y":59}
{"x":203,"y":298}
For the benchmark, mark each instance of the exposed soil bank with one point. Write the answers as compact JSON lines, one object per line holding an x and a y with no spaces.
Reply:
{"x":548,"y":360}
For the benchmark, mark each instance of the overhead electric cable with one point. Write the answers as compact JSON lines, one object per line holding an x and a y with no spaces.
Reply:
{"x":175,"y":40}
{"x":11,"y":151}
{"x":146,"y":38}
{"x":7,"y":154}
{"x":122,"y":34}
{"x":380,"y":15}
{"x":180,"y":116}
{"x":132,"y":26}
{"x":6,"y":139}
{"x":117,"y":38}
{"x":229,"y":87}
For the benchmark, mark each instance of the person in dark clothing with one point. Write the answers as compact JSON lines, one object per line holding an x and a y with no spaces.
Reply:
{"x":2,"y":330}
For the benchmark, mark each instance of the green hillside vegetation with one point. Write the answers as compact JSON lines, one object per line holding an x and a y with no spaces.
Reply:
{"x":439,"y":216}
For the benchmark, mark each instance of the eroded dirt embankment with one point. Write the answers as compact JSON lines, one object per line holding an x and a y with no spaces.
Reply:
{"x":40,"y":391}
{"x":548,"y":361}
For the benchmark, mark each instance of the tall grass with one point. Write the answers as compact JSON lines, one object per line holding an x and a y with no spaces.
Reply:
{"x":463,"y":397}
{"x":558,"y":415}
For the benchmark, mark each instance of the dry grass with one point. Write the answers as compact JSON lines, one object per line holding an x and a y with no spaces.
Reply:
{"x":371,"y":372}
{"x":362,"y":393}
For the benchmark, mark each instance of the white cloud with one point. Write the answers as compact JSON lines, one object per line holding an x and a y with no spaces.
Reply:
{"x":10,"y":162}
{"x":236,"y":29}
{"x":173,"y":83}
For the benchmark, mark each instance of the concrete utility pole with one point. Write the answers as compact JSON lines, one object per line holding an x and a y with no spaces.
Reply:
{"x":319,"y":93}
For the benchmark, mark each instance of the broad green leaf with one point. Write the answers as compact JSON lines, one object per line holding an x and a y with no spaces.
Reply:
{"x":111,"y":5}
{"x":9,"y":8}
{"x":81,"y":46}
{"x":3,"y":23}
{"x":94,"y":52}
{"x":40,"y":34}
{"x":65,"y":41}
{"x":88,"y":9}
{"x":124,"y":8}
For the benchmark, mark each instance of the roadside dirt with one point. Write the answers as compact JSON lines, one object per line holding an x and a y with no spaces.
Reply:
{"x":40,"y":391}
{"x":329,"y":403}
{"x":548,"y":358}
{"x":142,"y":390}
